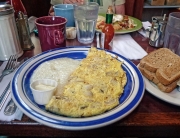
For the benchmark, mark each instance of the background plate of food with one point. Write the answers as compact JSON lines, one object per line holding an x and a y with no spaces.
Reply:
{"x":121,"y":23}
{"x":133,"y":90}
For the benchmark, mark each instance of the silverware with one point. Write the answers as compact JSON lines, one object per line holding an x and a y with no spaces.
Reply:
{"x":4,"y":95}
{"x":9,"y":67}
{"x":10,"y":108}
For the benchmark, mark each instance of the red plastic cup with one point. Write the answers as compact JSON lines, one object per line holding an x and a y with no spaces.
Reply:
{"x":51,"y":32}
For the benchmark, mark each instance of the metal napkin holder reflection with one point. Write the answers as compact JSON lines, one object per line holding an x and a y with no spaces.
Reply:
{"x":156,"y":32}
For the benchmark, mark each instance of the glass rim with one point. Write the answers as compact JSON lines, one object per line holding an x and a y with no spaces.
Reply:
{"x":86,"y":3}
{"x":175,"y":15}
{"x":64,"y":6}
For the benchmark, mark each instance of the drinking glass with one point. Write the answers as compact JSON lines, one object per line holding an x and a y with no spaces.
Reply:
{"x":172,"y":33}
{"x":85,"y":15}
{"x":66,"y":11}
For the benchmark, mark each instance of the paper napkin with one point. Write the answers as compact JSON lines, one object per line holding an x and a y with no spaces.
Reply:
{"x":146,"y":25}
{"x":3,"y":84}
{"x":126,"y":46}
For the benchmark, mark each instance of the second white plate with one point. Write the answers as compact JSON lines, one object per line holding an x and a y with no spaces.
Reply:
{"x":172,"y":97}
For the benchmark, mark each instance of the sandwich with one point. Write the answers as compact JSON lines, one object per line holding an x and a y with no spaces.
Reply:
{"x":162,"y":67}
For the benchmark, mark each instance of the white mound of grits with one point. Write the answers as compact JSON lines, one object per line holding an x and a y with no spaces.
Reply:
{"x":57,"y":69}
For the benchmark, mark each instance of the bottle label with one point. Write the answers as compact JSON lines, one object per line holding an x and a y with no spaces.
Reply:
{"x":111,"y":44}
{"x":102,"y":40}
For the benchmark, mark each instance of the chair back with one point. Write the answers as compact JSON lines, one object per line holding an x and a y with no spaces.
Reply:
{"x":39,"y":8}
{"x":134,"y":8}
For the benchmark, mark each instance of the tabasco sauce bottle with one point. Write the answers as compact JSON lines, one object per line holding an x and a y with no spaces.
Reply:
{"x":108,"y":30}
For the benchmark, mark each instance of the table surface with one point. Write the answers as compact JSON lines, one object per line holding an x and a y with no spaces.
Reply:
{"x":152,"y":117}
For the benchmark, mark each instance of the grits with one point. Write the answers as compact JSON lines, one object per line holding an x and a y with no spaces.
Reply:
{"x":57,"y":69}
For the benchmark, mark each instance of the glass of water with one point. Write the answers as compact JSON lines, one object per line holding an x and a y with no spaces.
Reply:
{"x":85,"y":15}
{"x":172,"y":33}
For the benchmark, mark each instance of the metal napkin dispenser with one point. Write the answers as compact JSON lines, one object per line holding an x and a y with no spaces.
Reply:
{"x":156,"y":31}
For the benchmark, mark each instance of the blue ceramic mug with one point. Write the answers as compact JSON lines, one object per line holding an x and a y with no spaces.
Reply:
{"x":66,"y":11}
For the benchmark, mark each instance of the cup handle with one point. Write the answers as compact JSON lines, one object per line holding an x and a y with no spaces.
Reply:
{"x":58,"y":37}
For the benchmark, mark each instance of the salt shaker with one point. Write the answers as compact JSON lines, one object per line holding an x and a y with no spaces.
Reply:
{"x":23,"y":31}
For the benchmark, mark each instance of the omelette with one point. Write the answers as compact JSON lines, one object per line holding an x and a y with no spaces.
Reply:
{"x":93,"y":88}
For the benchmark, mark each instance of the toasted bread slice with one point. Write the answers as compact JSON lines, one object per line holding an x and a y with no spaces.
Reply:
{"x":149,"y":75}
{"x":164,"y":63}
{"x":152,"y":77}
{"x":170,"y":73}
{"x":168,"y":88}
{"x":158,"y":59}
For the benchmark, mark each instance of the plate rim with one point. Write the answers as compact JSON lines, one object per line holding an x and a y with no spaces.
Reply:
{"x":83,"y":127}
{"x":125,"y":31}
{"x":160,"y":94}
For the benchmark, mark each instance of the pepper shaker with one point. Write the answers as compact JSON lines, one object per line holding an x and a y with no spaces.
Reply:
{"x":23,"y":31}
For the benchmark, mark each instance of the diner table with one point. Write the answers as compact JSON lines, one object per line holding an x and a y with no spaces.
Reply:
{"x":151,"y":118}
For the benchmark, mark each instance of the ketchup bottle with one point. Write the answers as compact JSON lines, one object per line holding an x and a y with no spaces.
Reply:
{"x":108,"y":30}
{"x":18,"y":6}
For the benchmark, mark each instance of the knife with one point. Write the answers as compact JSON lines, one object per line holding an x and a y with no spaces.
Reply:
{"x":5,"y":95}
{"x":10,"y":108}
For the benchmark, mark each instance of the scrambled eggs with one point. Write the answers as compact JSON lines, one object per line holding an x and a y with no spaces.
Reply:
{"x":93,"y":88}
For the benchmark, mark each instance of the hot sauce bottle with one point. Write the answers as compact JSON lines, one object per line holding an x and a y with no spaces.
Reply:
{"x":108,"y":30}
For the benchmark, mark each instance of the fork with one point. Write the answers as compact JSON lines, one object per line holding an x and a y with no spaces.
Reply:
{"x":9,"y":67}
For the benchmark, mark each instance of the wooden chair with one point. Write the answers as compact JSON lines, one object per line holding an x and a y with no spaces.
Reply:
{"x":37,"y":8}
{"x":134,"y":8}
{"x":41,"y":7}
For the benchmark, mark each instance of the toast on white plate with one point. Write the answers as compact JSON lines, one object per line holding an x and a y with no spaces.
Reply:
{"x":162,"y":67}
{"x":152,"y":77}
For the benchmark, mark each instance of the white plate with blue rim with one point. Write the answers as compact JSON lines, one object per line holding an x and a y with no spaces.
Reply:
{"x":23,"y":98}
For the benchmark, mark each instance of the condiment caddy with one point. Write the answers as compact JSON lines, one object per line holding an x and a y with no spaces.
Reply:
{"x":156,"y":32}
